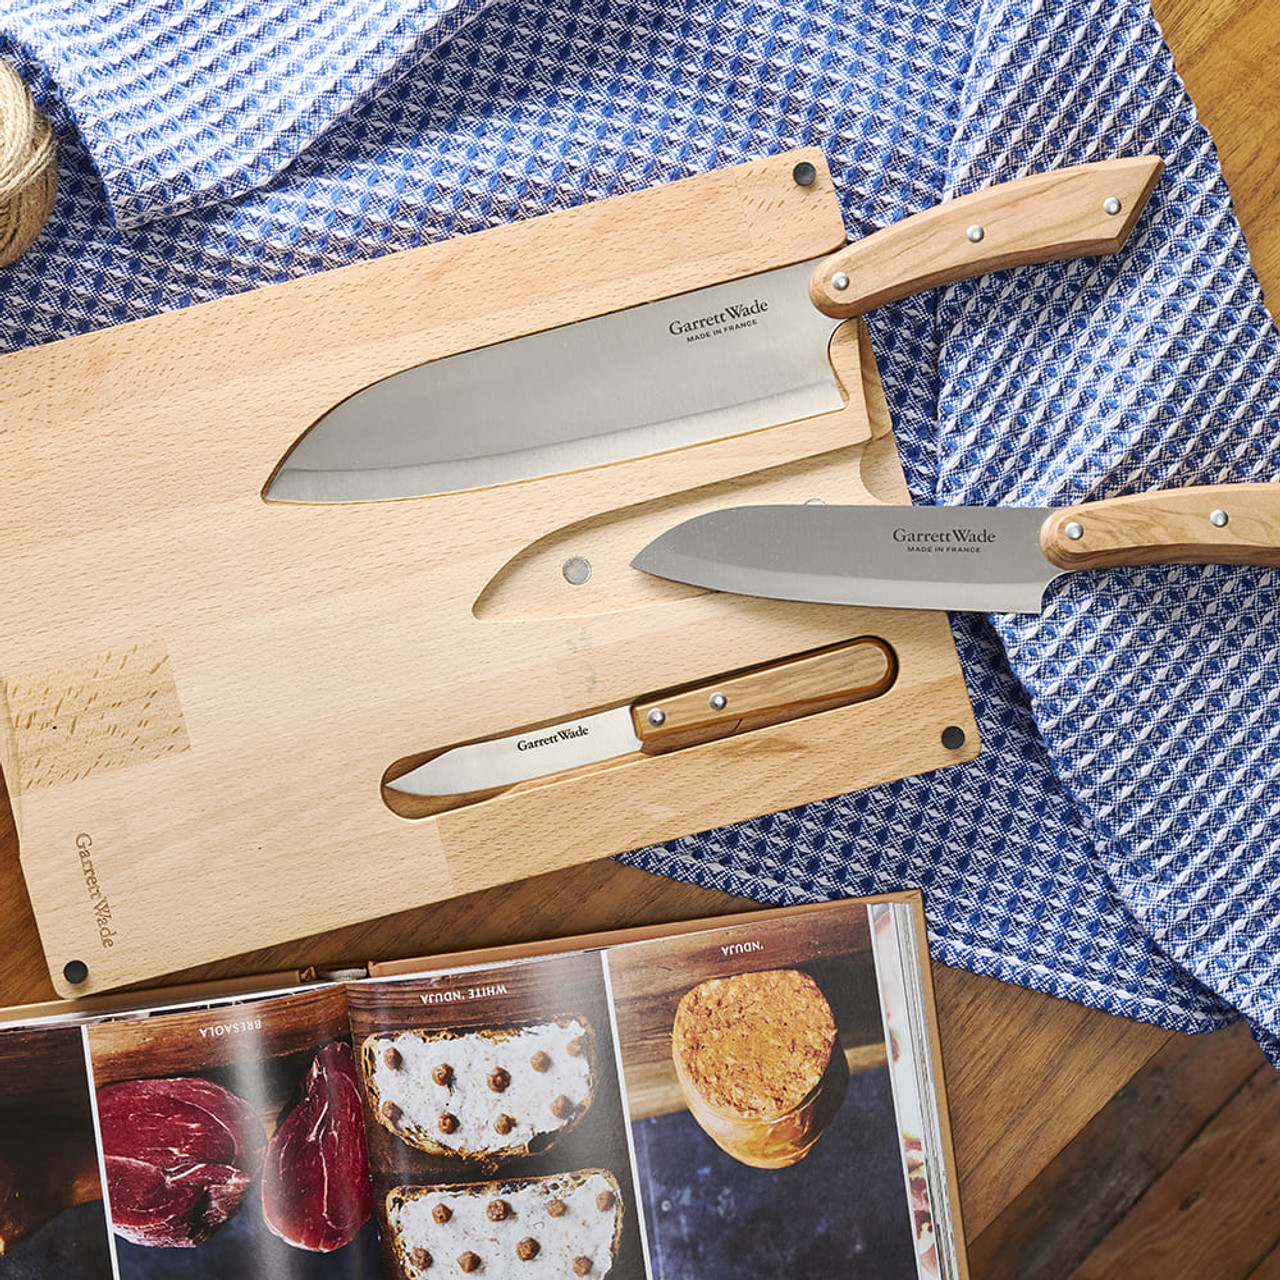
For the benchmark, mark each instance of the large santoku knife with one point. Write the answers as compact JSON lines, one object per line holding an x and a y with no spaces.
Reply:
{"x":989,"y":559}
{"x":821,"y":680}
{"x":700,"y":366}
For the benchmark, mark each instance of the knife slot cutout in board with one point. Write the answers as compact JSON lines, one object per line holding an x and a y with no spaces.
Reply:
{"x":584,"y":568}
{"x":688,"y":716}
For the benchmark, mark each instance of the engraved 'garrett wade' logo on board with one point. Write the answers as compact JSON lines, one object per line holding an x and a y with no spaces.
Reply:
{"x":739,"y":315}
{"x":948,"y":541}
{"x":566,"y":734}
{"x":97,"y":897}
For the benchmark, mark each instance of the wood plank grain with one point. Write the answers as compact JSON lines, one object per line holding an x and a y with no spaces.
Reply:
{"x":1267,"y":1269}
{"x":1216,"y":1210}
{"x":1085,"y":1192}
{"x":1025,"y":1073}
{"x":1226,"y":52}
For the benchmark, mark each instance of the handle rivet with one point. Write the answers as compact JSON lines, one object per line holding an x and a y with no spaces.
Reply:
{"x":576,"y":570}
{"x":1074,"y":530}
{"x":840,"y":282}
{"x":804,"y":174}
{"x":718,"y":702}
{"x":1112,"y":206}
{"x":975,"y":233}
{"x":657,"y":716}
{"x":1218,"y":518}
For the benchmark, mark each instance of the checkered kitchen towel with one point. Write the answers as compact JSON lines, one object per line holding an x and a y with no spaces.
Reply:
{"x":1118,"y":840}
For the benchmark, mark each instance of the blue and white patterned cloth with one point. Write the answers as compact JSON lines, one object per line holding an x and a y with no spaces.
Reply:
{"x":1117,"y":842}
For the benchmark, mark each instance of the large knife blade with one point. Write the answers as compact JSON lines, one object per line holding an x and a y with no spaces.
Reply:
{"x":839,"y":675}
{"x":990,"y":559}
{"x":715,"y":362}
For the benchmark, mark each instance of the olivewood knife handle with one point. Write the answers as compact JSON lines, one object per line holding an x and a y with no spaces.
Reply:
{"x":854,"y":671}
{"x":1205,"y":524}
{"x":1066,"y":213}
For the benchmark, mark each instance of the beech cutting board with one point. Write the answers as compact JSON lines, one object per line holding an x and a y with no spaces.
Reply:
{"x":202,"y":691}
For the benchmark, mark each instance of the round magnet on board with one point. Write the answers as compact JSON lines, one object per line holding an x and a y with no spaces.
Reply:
{"x":75,"y":972}
{"x":804,"y":174}
{"x":953,"y":737}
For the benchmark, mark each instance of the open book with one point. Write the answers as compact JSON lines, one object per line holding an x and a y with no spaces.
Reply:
{"x":751,"y":1097}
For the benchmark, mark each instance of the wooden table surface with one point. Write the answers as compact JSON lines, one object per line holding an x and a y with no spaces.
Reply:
{"x":1025,"y":1072}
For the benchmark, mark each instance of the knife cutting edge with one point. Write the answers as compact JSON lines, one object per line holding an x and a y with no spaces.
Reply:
{"x":703,"y":365}
{"x":821,"y":680}
{"x":989,"y":559}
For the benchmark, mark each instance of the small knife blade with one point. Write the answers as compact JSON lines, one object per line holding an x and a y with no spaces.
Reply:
{"x":820,"y":680}
{"x":715,"y":362}
{"x":988,"y":559}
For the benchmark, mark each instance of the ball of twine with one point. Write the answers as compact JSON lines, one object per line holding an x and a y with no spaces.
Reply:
{"x":28,"y":167}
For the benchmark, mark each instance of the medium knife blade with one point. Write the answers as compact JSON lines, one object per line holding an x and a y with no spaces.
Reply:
{"x":988,"y":559}
{"x":716,"y":362}
{"x":835,"y":676}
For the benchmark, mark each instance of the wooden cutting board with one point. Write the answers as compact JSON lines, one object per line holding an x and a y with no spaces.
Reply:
{"x":203,"y":691}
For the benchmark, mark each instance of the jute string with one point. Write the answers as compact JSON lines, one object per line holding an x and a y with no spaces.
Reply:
{"x":28,"y":167}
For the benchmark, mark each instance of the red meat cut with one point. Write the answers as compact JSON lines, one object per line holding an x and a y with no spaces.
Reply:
{"x":180,"y":1156}
{"x":316,"y":1192}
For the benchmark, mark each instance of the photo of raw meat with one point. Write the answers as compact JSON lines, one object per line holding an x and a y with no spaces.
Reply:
{"x":180,"y":1155}
{"x":316,"y":1192}
{"x":234,"y":1142}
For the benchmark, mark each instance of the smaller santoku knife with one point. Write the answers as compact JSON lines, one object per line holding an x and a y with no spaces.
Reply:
{"x":837,"y":676}
{"x":988,"y":559}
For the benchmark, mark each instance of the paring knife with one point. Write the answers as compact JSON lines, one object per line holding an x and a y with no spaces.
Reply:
{"x":715,"y":362}
{"x":837,"y":676}
{"x":990,"y":559}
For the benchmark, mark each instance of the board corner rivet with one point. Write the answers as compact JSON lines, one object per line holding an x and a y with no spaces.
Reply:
{"x":1112,"y":205}
{"x":75,"y":972}
{"x":953,"y":737}
{"x":1218,"y":518}
{"x":1074,"y":530}
{"x":975,"y":233}
{"x":804,"y":174}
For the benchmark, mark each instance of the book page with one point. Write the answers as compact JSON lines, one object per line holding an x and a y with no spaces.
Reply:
{"x":755,"y":1097}
{"x":898,"y":942}
{"x":51,"y":1215}
{"x":232,"y":1142}
{"x":497,"y":1137}
{"x":760,"y":1102}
